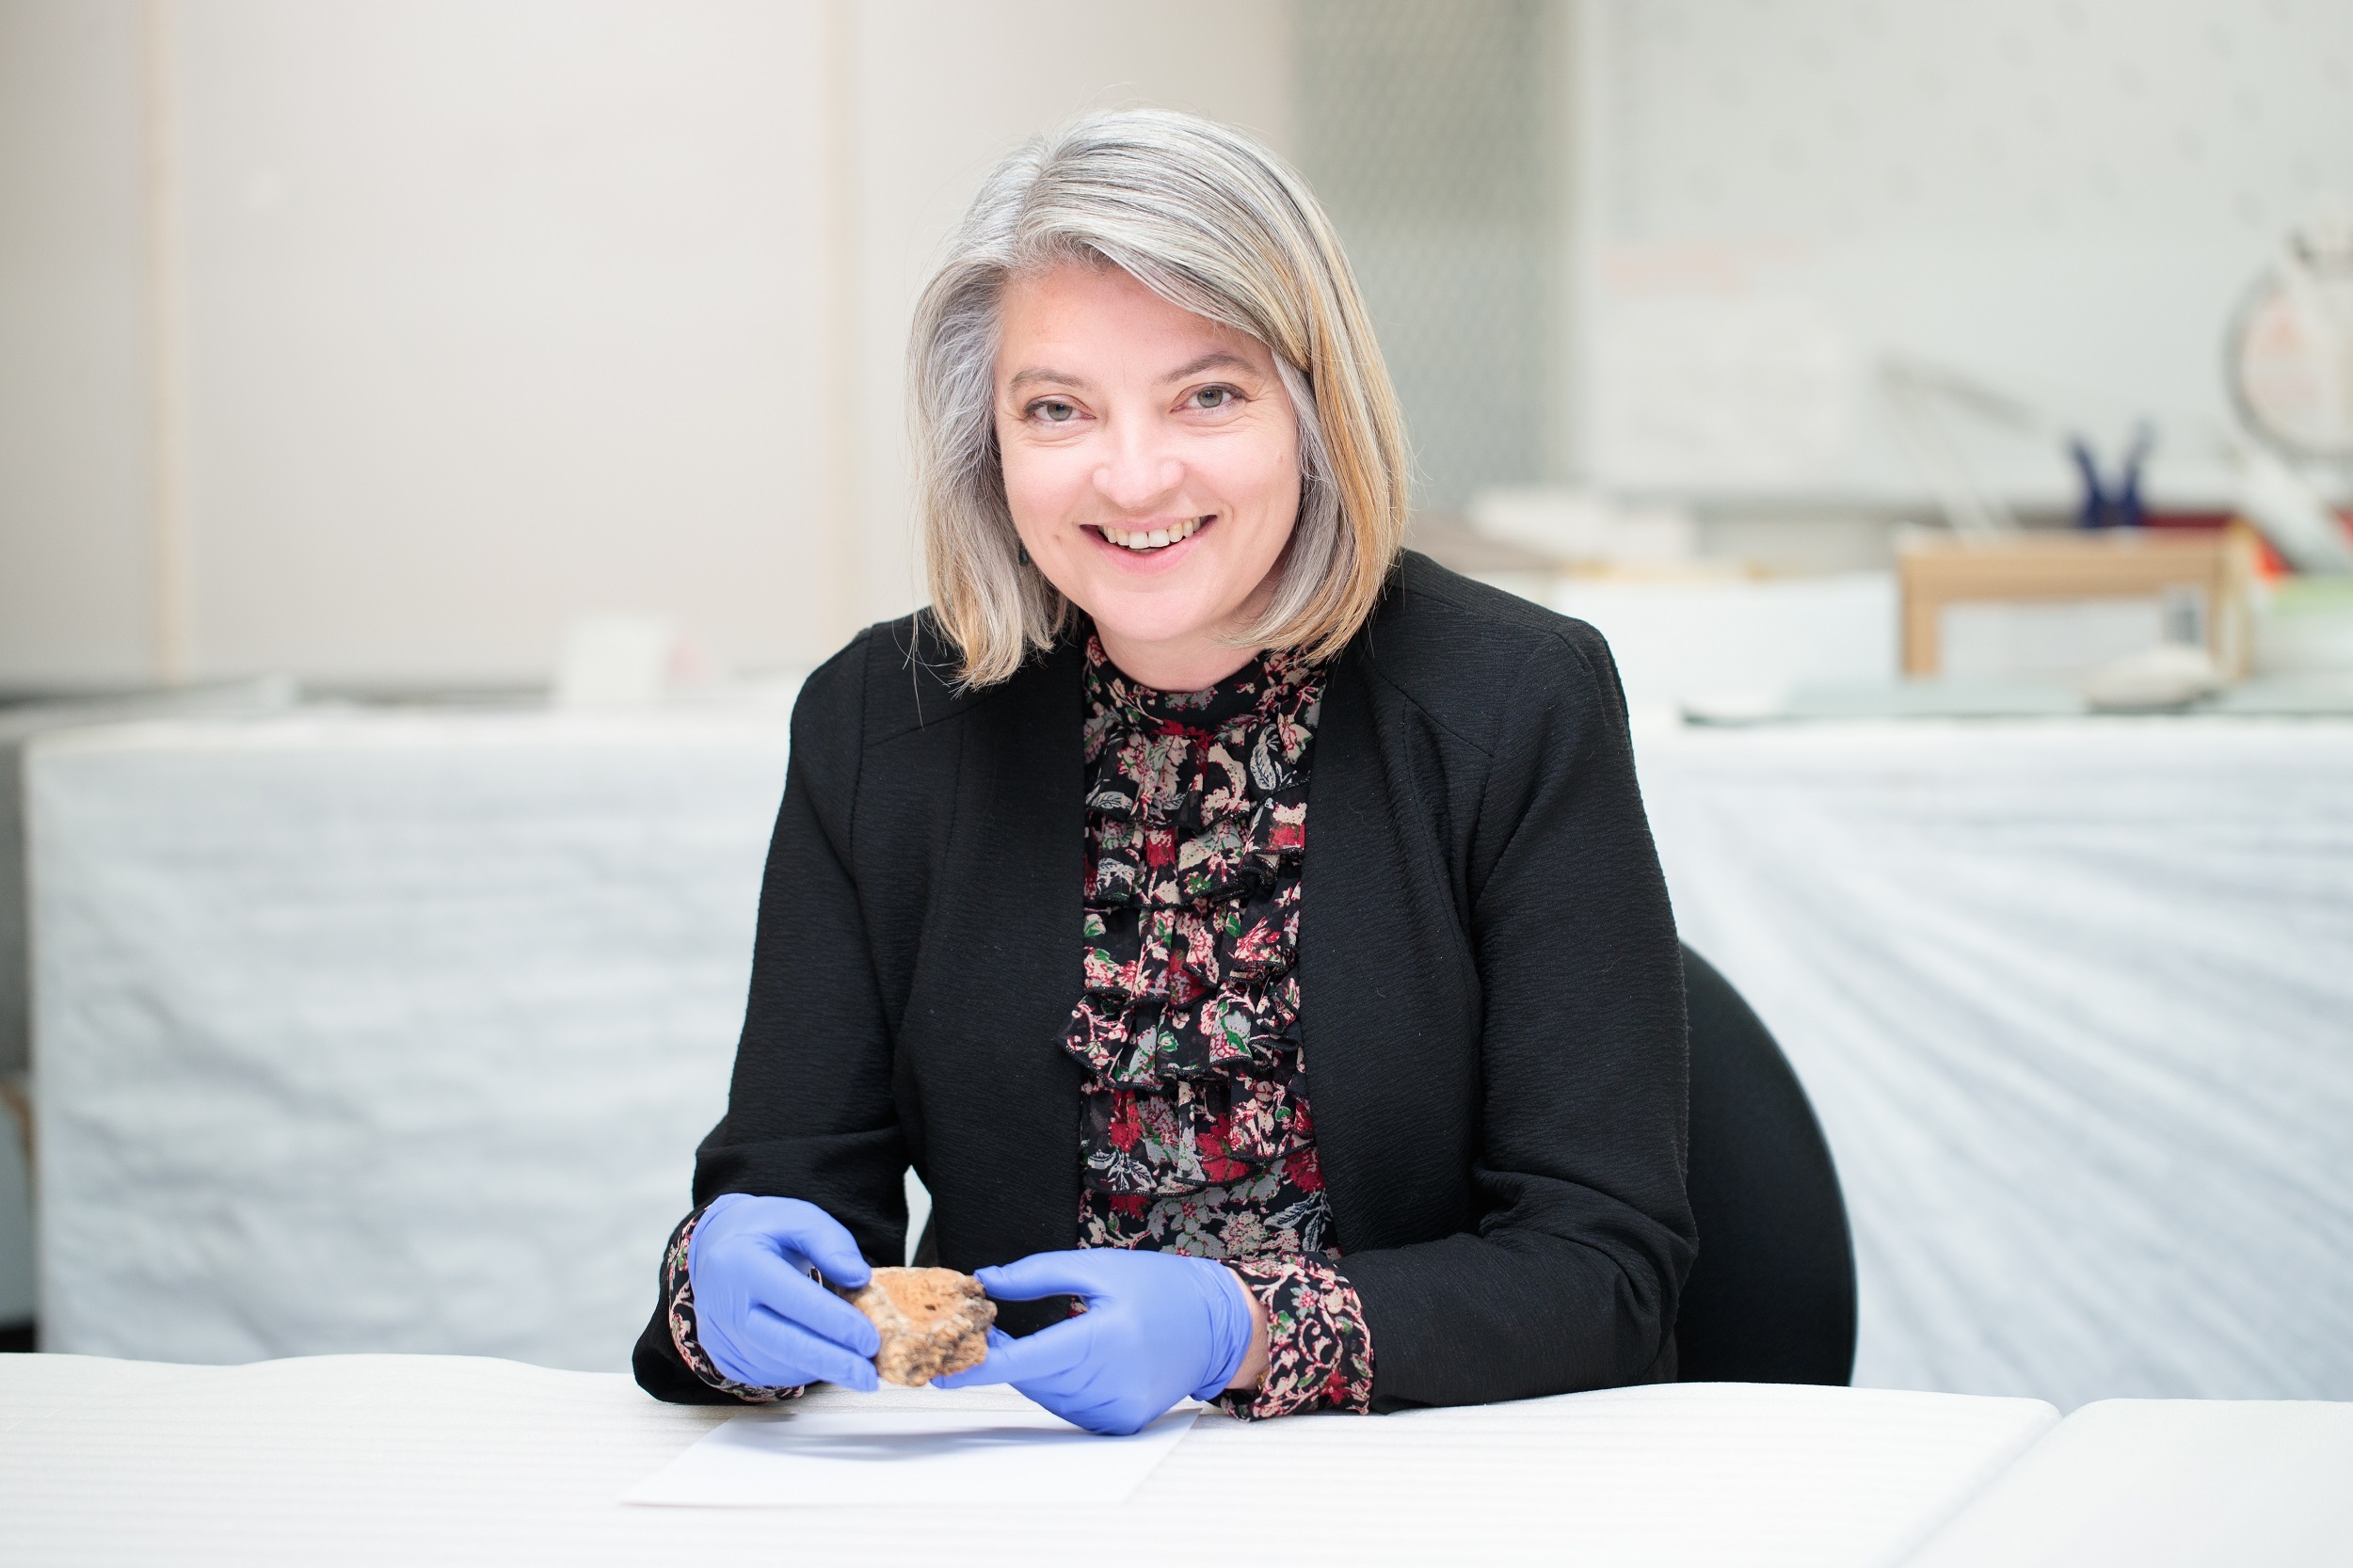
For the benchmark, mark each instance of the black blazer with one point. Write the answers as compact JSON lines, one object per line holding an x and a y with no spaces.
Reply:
{"x":1492,"y":995}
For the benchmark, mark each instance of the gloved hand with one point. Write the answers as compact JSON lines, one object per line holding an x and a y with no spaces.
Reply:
{"x":1159,"y":1327}
{"x":758,"y":1315}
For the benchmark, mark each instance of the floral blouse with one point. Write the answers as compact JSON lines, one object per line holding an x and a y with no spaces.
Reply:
{"x":1197,"y":1137}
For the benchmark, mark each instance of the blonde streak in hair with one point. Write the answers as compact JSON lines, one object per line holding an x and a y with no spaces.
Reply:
{"x":1365,"y":521}
{"x":1373,"y":478}
{"x":1345,"y":326}
{"x":1383,"y":419}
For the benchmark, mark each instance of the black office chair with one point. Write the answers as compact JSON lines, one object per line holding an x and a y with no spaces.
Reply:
{"x":1771,"y":1298}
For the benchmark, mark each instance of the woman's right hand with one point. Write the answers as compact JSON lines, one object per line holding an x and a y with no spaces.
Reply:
{"x":759,"y":1316}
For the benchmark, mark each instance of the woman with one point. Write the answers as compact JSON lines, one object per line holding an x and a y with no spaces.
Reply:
{"x":1247,"y":929}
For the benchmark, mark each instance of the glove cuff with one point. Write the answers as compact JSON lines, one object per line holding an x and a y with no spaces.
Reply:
{"x":1227,"y":1302}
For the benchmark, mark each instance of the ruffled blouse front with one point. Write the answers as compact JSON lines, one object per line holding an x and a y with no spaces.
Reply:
{"x":1196,"y":821}
{"x":1198,"y":1137}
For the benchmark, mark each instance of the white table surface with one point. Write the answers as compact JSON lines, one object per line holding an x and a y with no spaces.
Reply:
{"x":2075,"y":1002}
{"x":455,"y":1460}
{"x":2168,"y":1483}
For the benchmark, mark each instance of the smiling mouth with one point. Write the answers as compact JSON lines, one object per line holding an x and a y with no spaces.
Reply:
{"x":1144,"y":540}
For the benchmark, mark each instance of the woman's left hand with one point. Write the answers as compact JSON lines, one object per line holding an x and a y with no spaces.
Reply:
{"x":1159,"y":1327}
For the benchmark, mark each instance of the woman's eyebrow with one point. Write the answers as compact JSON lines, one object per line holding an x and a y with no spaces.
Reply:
{"x":1037,"y":373}
{"x":1217,"y":359}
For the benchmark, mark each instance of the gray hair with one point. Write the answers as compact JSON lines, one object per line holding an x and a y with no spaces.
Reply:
{"x":1215,"y":224}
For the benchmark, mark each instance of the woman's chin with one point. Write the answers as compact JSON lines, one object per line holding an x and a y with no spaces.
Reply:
{"x":1151,"y":626}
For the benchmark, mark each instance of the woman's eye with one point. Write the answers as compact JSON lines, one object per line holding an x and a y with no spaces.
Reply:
{"x":1213,"y":397}
{"x":1054,"y":411}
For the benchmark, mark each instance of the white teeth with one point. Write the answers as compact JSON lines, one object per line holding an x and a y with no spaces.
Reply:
{"x":1155,"y":539}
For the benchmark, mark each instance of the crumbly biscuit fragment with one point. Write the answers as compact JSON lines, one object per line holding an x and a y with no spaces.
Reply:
{"x":933,"y":1320}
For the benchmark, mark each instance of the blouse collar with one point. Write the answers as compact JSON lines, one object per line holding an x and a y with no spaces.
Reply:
{"x":1255,"y":691}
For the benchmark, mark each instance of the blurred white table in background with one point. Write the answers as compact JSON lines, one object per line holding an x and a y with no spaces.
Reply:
{"x":1738,"y":642}
{"x":439,"y":1460}
{"x":21,"y":724}
{"x":2075,"y":1002}
{"x":396,"y":1031}
{"x":384,"y":1030}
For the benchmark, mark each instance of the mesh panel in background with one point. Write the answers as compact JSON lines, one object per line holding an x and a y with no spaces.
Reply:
{"x":1422,"y":126}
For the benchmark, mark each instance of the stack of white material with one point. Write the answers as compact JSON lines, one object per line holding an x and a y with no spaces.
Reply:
{"x":2075,"y":1001}
{"x":368,"y":1031}
{"x":19,"y":726}
{"x":379,"y":1033}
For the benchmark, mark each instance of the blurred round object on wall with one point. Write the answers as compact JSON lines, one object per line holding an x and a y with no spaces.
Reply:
{"x":2290,"y":357}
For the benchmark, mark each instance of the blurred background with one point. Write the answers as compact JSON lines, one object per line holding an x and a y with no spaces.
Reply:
{"x":377,"y":346}
{"x":435,"y":437}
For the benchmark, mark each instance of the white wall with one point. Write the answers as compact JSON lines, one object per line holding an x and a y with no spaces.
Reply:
{"x":496,"y":313}
{"x":478,"y":314}
{"x":2065,"y":201}
{"x":75,"y":506}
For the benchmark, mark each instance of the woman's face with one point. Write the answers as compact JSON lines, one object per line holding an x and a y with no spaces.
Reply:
{"x":1151,"y":462}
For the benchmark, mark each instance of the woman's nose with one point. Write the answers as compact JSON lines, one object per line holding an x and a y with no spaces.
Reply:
{"x":1138,"y":473}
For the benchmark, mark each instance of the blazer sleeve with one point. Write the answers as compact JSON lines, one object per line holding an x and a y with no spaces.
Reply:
{"x":809,"y":1109}
{"x":1584,"y":1232}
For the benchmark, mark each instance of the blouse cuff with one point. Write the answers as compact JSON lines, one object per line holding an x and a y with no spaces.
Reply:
{"x":678,"y":1295}
{"x":1319,"y":1351}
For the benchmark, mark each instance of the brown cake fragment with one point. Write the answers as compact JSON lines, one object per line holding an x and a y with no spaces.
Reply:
{"x":933,"y":1322}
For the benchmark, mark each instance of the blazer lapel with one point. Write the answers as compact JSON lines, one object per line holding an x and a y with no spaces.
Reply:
{"x":1376,"y":1017}
{"x":1000,"y":975}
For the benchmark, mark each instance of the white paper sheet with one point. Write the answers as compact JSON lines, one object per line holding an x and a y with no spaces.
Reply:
{"x":895,"y":1459}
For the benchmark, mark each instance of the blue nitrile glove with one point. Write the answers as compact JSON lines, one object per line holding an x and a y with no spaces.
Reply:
{"x":758,"y":1315}
{"x":1159,"y":1327}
